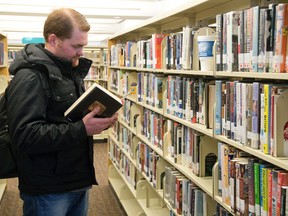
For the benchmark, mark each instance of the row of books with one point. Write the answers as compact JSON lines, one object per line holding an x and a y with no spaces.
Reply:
{"x":250,"y":185}
{"x":184,"y":143}
{"x":252,"y":113}
{"x":253,"y":39}
{"x":97,"y":73}
{"x":144,"y":158}
{"x":146,"y":162}
{"x":12,"y":54}
{"x":161,"y":51}
{"x":183,"y":195}
{"x":191,"y":149}
{"x":152,"y":127}
{"x":150,"y":89}
{"x":123,"y":163}
{"x":186,"y":98}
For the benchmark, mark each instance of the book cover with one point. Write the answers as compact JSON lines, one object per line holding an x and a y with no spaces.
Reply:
{"x":96,"y":95}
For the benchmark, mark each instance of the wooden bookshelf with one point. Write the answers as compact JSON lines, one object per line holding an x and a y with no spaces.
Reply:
{"x":97,"y":73}
{"x":133,"y":115}
{"x":4,"y":77}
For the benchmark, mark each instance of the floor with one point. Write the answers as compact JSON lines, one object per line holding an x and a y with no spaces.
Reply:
{"x":102,"y":199}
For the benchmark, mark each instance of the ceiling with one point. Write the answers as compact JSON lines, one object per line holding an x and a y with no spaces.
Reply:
{"x":19,"y":19}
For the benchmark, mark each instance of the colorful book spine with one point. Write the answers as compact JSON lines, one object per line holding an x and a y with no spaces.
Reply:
{"x":255,"y":37}
{"x":267,"y":107}
{"x":280,"y":38}
{"x":218,"y":107}
{"x":282,"y":181}
{"x":251,"y":185}
{"x":257,"y":188}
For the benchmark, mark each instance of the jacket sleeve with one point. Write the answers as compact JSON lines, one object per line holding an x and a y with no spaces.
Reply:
{"x":29,"y":130}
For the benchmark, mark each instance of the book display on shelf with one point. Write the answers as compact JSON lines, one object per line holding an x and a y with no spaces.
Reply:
{"x":218,"y":135}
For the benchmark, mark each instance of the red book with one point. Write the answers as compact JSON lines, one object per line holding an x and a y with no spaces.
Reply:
{"x":282,"y":181}
{"x":157,"y":50}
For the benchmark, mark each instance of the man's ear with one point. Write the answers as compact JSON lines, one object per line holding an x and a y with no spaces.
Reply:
{"x":52,"y":40}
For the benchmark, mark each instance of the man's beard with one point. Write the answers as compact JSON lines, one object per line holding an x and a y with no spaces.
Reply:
{"x":75,"y":61}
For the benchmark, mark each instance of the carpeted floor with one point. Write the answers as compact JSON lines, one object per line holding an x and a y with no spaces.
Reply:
{"x":102,"y":199}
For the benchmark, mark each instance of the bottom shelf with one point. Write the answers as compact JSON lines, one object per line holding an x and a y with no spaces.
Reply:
{"x":2,"y":187}
{"x":140,"y":201}
{"x":125,"y":196}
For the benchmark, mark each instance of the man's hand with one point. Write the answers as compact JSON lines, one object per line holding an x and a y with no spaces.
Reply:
{"x":97,"y":125}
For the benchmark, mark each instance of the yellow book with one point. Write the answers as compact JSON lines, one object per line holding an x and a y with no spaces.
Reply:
{"x":267,"y":101}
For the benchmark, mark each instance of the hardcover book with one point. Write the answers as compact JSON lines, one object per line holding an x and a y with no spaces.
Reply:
{"x":96,"y":95}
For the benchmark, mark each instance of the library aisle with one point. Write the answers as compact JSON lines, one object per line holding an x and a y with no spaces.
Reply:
{"x":102,"y":199}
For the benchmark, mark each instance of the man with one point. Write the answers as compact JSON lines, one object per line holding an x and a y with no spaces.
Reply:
{"x":54,"y":156}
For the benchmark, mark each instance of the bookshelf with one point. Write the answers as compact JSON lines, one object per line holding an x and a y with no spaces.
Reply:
{"x":97,"y":73}
{"x":4,"y":77}
{"x":3,"y":55}
{"x":154,"y":125}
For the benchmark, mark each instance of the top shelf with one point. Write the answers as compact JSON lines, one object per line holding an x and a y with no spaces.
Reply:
{"x":186,"y":14}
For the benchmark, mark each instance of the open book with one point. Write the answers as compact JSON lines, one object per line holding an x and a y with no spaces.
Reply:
{"x":96,"y":95}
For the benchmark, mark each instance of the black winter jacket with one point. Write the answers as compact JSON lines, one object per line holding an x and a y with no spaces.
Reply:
{"x":53,"y":154}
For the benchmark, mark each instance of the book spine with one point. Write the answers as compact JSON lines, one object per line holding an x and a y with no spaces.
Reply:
{"x":282,"y":181}
{"x":280,"y":38}
{"x":272,"y":36}
{"x":255,"y":37}
{"x":219,"y":42}
{"x":241,"y":39}
{"x":251,"y":185}
{"x":224,"y":44}
{"x":225,"y":171}
{"x":262,"y":40}
{"x":227,"y":119}
{"x":257,"y":188}
{"x":219,"y":170}
{"x":267,"y":103}
{"x":232,"y":40}
{"x":218,"y":107}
